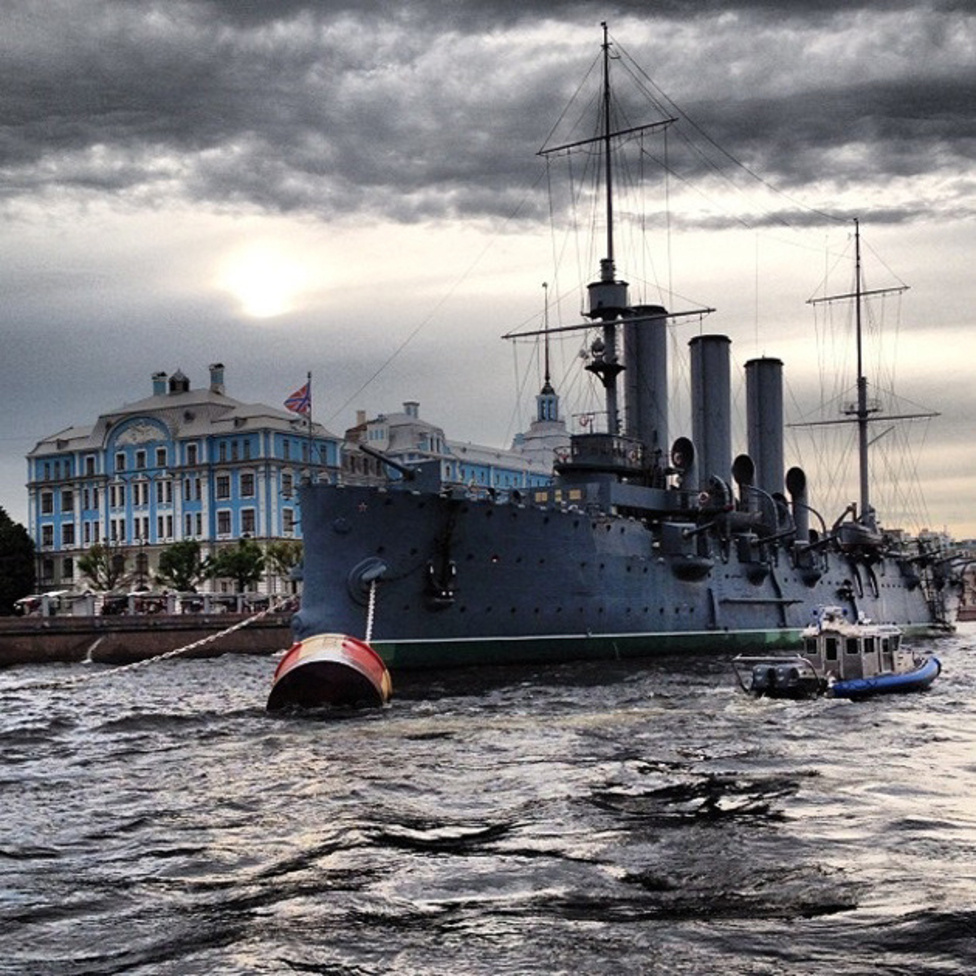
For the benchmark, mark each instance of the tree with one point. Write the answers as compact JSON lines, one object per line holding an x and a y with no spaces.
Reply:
{"x":104,"y":566}
{"x":283,"y":556}
{"x":243,"y":563}
{"x":181,"y":566}
{"x":17,"y":574}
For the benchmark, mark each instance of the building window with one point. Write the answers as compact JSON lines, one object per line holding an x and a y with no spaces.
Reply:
{"x":199,"y":518}
{"x":47,"y":502}
{"x":223,"y":522}
{"x":288,"y":520}
{"x":247,"y":485}
{"x":222,"y":451}
{"x":160,"y":457}
{"x":47,"y":535}
{"x":68,"y":534}
{"x":191,"y":454}
{"x":287,"y":450}
{"x":187,"y":525}
{"x":90,"y":465}
{"x":67,"y":500}
{"x":140,"y":460}
{"x":234,"y":451}
{"x":120,"y":461}
{"x":47,"y":570}
{"x":94,"y":498}
{"x":247,"y":450}
{"x":287,"y":484}
{"x":164,"y":492}
{"x":247,"y":521}
{"x":68,"y":568}
{"x":223,"y":486}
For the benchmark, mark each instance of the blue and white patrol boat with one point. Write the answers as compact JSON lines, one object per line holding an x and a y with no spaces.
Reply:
{"x":839,"y":659}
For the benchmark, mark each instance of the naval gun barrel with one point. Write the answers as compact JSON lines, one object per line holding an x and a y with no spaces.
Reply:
{"x":408,"y":473}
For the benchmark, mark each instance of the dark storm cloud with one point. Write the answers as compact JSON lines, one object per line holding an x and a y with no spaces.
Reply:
{"x":414,"y":111}
{"x":495,"y":13}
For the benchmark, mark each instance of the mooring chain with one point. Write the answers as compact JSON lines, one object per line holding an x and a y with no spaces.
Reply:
{"x":111,"y":672}
{"x":371,"y":610}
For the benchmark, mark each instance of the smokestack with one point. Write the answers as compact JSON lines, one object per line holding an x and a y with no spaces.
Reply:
{"x":646,"y":378}
{"x":711,"y":428}
{"x":764,"y":420}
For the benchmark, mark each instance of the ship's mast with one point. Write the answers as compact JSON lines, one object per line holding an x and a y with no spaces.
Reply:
{"x":608,"y":297}
{"x":860,"y":412}
{"x":607,"y":155}
{"x":862,"y":383}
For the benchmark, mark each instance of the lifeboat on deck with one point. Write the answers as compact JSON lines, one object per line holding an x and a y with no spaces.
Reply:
{"x":330,"y":670}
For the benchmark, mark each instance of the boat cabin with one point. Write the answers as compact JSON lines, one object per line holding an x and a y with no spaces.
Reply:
{"x":870,"y":651}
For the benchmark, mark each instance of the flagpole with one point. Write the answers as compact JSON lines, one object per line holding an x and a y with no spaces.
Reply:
{"x":308,"y":470}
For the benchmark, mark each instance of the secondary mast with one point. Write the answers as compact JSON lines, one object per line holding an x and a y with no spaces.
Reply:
{"x":861,"y":411}
{"x":862,"y":383}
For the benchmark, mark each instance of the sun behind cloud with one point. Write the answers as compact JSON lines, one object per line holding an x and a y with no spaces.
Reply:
{"x":265,"y":279}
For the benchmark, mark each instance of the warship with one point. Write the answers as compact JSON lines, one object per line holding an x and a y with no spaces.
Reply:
{"x":638,"y":546}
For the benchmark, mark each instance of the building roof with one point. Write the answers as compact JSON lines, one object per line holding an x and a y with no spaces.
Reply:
{"x":186,"y":413}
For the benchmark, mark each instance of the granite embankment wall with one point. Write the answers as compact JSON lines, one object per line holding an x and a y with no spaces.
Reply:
{"x":124,"y":639}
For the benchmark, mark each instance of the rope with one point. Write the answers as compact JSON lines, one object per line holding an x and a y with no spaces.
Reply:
{"x":111,"y":672}
{"x":370,"y":611}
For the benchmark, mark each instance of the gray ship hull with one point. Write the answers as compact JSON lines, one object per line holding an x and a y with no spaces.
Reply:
{"x":463,"y":581}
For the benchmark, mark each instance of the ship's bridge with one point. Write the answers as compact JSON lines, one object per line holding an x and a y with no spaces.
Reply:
{"x":606,"y":452}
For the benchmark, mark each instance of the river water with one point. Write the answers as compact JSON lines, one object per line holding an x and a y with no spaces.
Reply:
{"x":644,"y":818}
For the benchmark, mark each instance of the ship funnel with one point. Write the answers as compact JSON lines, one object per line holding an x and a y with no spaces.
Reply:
{"x":764,"y":421}
{"x":796,"y":485}
{"x":646,"y":378}
{"x":711,"y":427}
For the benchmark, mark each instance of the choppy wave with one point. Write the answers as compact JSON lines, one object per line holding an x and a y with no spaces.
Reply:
{"x":607,"y":819}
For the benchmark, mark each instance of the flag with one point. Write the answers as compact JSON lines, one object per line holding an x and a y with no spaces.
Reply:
{"x":301,"y":400}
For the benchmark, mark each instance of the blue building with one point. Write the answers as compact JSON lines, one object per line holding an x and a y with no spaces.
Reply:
{"x":181,"y":464}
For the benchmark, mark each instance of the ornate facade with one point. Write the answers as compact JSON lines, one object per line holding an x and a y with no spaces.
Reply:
{"x":181,"y":464}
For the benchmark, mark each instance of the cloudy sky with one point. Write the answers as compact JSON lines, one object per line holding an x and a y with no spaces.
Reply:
{"x":353,"y":189}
